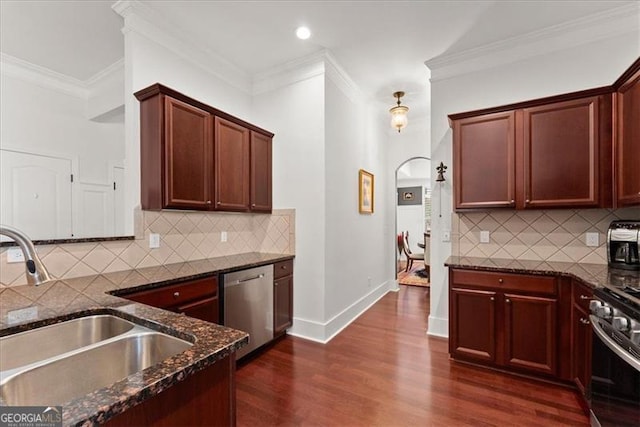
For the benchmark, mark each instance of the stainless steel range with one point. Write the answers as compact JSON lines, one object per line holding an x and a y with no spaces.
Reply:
{"x":615,"y":379}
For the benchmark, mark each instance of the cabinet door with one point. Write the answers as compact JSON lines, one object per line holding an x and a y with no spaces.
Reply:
{"x":188,"y":155}
{"x":484,"y":161}
{"x":472,"y":328}
{"x":204,"y":309}
{"x":581,"y":348}
{"x":530,"y":333}
{"x":232,"y":177}
{"x":628,"y":142}
{"x":561,"y":154}
{"x":260,"y":173}
{"x":282,"y":304}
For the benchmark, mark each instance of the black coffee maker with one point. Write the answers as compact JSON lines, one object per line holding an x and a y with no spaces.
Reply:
{"x":623,"y":240}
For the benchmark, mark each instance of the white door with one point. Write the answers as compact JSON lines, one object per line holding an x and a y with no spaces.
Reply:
{"x":35,"y":193}
{"x":118,"y":200}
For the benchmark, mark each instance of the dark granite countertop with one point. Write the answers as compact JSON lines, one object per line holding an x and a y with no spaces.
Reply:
{"x":594,"y":275}
{"x":62,"y":300}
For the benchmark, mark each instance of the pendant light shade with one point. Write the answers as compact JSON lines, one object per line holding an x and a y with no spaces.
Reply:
{"x":399,"y":113}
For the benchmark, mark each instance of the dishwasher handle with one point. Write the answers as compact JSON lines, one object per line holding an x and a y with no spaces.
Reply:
{"x":239,"y":281}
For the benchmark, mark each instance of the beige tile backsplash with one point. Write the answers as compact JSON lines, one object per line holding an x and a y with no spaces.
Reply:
{"x":185,"y":236}
{"x":557,"y":235}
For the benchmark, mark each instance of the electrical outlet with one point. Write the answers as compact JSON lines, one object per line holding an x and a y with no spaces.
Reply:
{"x":446,"y":235}
{"x":369,"y":281}
{"x":485,"y":236}
{"x":15,"y":255}
{"x":154,"y":240}
{"x":223,"y":236}
{"x":592,"y":239}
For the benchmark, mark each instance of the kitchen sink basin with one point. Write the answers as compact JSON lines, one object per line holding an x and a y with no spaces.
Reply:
{"x":82,"y":372}
{"x":43,"y":343}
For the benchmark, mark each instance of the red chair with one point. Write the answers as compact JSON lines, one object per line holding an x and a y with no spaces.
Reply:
{"x":403,"y":247}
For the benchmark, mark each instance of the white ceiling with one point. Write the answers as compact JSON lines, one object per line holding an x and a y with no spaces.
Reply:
{"x":381,"y":44}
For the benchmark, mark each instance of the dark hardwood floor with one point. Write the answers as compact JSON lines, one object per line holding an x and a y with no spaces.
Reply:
{"x":384,"y":370}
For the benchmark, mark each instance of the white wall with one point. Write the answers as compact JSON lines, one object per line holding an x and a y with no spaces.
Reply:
{"x":42,"y":120}
{"x":356,"y":248}
{"x":582,"y":67}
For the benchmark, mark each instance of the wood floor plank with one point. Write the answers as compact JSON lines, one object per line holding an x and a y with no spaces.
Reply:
{"x":383,"y":370}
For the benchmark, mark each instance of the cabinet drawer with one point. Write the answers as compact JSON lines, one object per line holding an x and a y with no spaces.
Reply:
{"x":505,"y":281}
{"x":581,"y":295}
{"x":282,"y":269}
{"x":173,"y":295}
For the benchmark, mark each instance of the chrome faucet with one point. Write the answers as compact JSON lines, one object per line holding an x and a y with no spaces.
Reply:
{"x":35,"y":270}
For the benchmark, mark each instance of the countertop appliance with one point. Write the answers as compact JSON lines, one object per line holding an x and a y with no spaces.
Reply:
{"x":623,"y":242}
{"x":614,"y":391}
{"x":248,"y":305}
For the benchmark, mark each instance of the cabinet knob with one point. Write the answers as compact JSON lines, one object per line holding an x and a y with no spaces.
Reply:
{"x":500,"y":280}
{"x":507,"y":300}
{"x":208,"y":202}
{"x":253,"y":205}
{"x":219,"y":203}
{"x":527,"y":201}
{"x":492,"y":299}
{"x":176,"y":294}
{"x":513,"y":201}
{"x":284,"y":267}
{"x":275,"y":284}
{"x":585,"y":297}
{"x":584,"y":321}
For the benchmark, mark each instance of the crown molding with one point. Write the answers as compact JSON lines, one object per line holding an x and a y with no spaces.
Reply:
{"x":146,"y":22}
{"x":41,"y":76}
{"x":115,"y":70}
{"x":318,"y":63}
{"x":611,"y":23}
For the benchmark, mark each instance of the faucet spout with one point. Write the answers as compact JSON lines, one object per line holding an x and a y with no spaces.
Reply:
{"x":35,"y":269}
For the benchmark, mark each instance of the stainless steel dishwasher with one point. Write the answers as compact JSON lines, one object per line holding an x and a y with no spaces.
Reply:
{"x":248,"y":305}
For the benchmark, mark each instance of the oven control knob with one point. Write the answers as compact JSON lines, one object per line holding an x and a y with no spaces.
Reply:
{"x":634,"y":336}
{"x":594,"y":305}
{"x":604,"y":312}
{"x":620,"y":323}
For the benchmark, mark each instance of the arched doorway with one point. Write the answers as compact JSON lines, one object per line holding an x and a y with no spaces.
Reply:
{"x":413,"y":215}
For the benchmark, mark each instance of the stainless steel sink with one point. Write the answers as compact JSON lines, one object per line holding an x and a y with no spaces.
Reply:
{"x":80,"y":373}
{"x":43,"y":343}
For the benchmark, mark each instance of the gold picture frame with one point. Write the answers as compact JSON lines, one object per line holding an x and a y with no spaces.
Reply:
{"x":365,"y":192}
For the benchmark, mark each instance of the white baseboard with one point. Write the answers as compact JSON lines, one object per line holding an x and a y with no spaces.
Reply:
{"x":324,"y":332}
{"x":438,"y":327}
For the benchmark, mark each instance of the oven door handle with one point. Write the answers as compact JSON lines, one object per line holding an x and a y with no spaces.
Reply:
{"x":613,"y":346}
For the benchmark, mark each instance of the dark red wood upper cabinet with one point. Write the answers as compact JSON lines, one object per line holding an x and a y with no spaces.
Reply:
{"x":231,"y":165}
{"x":627,"y":156}
{"x":484,"y":161}
{"x":548,"y":153}
{"x":561,"y":148}
{"x":187,"y":168}
{"x":260,"y":173}
{"x":194,"y":156}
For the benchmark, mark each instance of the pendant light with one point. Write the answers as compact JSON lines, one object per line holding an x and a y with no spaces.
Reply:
{"x":399,"y":113}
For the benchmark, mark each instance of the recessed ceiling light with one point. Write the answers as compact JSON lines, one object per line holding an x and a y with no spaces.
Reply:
{"x":303,"y":33}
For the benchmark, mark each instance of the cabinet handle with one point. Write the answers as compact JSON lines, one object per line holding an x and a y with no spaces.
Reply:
{"x":527,"y":201}
{"x":219,"y":203}
{"x":275,"y":284}
{"x":507,"y":300}
{"x":585,"y":297}
{"x":253,"y":205}
{"x":176,"y":294}
{"x":513,"y":202}
{"x":208,"y":202}
{"x":284,"y":267}
{"x":500,"y":281}
{"x":492,"y":299}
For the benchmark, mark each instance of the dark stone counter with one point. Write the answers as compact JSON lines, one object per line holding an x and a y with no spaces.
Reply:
{"x":62,"y":300}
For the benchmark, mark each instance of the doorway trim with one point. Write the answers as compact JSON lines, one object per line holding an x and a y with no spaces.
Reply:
{"x":395,"y":216}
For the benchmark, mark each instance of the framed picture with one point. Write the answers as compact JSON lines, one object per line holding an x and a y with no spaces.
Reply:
{"x":409,"y":196}
{"x":365,"y":191}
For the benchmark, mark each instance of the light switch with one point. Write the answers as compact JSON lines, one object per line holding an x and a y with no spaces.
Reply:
{"x":446,"y":235}
{"x":592,"y":239}
{"x":485,"y":236}
{"x":154,"y":240}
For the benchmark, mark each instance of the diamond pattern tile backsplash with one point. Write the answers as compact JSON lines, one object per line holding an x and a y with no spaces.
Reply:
{"x":554,"y":235}
{"x":185,"y":236}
